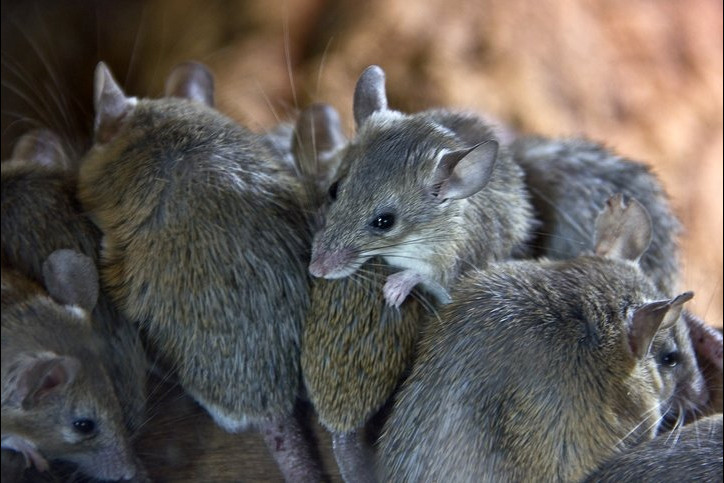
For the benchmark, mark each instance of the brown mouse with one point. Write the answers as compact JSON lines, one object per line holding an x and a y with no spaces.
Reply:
{"x":432,"y":193}
{"x":538,"y":370}
{"x":355,"y":347}
{"x":205,"y":245}
{"x":58,"y":399}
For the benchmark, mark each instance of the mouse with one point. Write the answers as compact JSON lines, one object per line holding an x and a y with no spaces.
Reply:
{"x":432,"y":193}
{"x":539,"y":370}
{"x":692,"y":454}
{"x":569,"y":179}
{"x":40,"y":214}
{"x":355,"y":347}
{"x":58,"y":399}
{"x":205,"y":246}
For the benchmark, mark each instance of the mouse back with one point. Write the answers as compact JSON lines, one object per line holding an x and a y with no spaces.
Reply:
{"x":203,"y":230}
{"x":531,"y":354}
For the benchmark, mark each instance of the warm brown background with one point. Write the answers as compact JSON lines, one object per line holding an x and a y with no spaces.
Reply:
{"x":644,"y":76}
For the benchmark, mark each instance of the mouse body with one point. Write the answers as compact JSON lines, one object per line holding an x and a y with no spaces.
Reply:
{"x":58,"y":398}
{"x":569,"y":180}
{"x":432,"y":193}
{"x":693,"y":453}
{"x":355,"y":347}
{"x":205,"y":246}
{"x":538,"y":370}
{"x":40,"y":214}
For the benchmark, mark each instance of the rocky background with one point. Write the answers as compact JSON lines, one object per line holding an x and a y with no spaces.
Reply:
{"x":643,"y":76}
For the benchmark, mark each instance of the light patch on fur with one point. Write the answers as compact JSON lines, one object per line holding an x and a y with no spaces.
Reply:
{"x":232,"y":424}
{"x":77,"y":311}
{"x":348,"y":269}
{"x":383,"y":119}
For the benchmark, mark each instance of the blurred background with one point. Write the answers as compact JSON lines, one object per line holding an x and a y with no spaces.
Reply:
{"x":642,"y":76}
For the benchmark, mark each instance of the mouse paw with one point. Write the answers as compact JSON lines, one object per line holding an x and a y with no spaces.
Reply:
{"x":399,"y":285}
{"x":28,"y":450}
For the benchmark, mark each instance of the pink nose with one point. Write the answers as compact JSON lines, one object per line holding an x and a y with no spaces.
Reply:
{"x":326,"y":263}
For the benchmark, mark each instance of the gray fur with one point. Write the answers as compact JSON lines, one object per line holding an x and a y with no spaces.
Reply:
{"x":528,"y":376}
{"x":569,"y":180}
{"x":692,"y":453}
{"x":40,"y":214}
{"x":205,"y":246}
{"x":392,"y":165}
{"x":40,"y":337}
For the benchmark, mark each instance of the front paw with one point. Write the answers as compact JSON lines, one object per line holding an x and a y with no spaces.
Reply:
{"x":399,"y":285}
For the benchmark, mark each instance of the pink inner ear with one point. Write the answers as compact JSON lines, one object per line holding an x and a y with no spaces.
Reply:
{"x":56,"y":376}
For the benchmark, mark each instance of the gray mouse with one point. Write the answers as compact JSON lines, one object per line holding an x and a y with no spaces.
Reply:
{"x":432,"y":193}
{"x":58,"y":399}
{"x":355,"y":348}
{"x":694,"y":453}
{"x":538,"y":370}
{"x":569,"y":179}
{"x":40,"y":214}
{"x":205,"y":245}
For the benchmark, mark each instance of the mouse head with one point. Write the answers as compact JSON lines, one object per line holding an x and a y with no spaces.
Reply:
{"x":405,"y":180}
{"x":58,"y":402}
{"x":683,"y":387}
{"x":655,"y":331}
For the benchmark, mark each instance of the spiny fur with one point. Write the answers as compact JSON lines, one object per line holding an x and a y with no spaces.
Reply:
{"x":570,"y":179}
{"x":526,"y":377}
{"x":355,"y":347}
{"x":205,"y":248}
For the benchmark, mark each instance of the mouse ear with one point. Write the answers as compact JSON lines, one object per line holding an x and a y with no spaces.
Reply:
{"x":33,"y":377}
{"x":648,"y":319}
{"x":42,"y":147}
{"x":318,"y":137}
{"x":71,"y":278}
{"x":623,"y":229}
{"x":111,"y":104}
{"x":191,"y":80}
{"x":369,"y":94}
{"x":464,"y":172}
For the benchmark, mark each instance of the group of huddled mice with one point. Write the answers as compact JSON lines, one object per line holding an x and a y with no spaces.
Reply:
{"x":510,"y":300}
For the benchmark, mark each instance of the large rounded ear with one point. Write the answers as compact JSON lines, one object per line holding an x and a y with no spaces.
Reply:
{"x":464,"y":172}
{"x":318,"y":137}
{"x":369,"y":94}
{"x":191,"y":80}
{"x":111,"y":104}
{"x":71,"y":278}
{"x":709,"y":347}
{"x":648,"y":319}
{"x":33,"y":377}
{"x":42,"y":147}
{"x":623,"y":229}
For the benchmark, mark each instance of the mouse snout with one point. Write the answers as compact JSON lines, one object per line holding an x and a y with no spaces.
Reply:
{"x":330,"y":263}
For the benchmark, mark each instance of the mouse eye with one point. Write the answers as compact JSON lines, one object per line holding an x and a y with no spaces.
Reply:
{"x":333,"y":190}
{"x":84,"y":426}
{"x":383,"y":222}
{"x":670,"y":359}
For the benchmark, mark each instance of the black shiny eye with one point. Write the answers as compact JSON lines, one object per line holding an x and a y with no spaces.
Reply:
{"x":670,"y":359}
{"x":333,"y":190}
{"x":384,"y":221}
{"x":84,"y":426}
